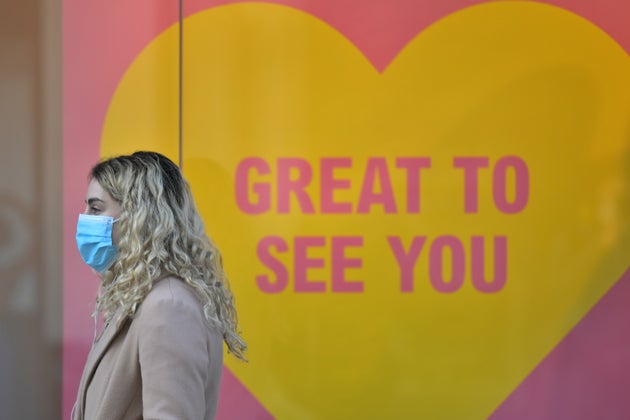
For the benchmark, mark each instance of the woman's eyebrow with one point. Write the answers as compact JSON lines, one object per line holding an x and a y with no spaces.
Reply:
{"x":93,"y":200}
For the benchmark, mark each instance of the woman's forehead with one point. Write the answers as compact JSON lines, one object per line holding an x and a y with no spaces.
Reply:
{"x":96,"y":191}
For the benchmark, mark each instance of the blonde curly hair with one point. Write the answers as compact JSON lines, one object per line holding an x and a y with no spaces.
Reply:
{"x":162,"y":233}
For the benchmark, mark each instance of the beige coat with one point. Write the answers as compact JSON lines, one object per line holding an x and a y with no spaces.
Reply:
{"x":164,"y":363}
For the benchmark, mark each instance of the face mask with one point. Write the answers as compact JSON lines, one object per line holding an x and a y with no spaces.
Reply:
{"x":94,"y":240}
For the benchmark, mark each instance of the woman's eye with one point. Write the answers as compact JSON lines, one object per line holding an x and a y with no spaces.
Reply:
{"x":94,"y":210}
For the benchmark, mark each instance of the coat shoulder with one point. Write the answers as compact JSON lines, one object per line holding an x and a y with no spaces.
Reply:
{"x":170,"y":291}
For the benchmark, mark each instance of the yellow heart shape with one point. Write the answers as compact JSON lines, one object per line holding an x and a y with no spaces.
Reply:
{"x":501,"y":79}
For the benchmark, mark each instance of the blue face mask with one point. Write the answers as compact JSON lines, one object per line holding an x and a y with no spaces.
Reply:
{"x":94,"y":240}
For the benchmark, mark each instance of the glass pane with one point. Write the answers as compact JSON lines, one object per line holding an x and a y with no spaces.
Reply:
{"x":30,"y":210}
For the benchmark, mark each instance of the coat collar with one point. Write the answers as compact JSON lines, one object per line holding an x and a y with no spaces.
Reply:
{"x":102,"y":342}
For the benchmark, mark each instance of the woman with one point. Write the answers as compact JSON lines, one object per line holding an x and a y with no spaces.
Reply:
{"x":164,"y":296}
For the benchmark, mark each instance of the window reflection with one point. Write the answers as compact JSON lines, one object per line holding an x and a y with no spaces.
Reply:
{"x":30,"y":210}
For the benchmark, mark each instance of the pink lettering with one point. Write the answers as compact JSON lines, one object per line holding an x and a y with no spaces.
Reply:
{"x":264,"y":255}
{"x":297,"y":186}
{"x":302,"y":262}
{"x":406,"y":260}
{"x":471,"y":166}
{"x":479,"y":279}
{"x":412,"y":166}
{"x":261,"y":190}
{"x":521,"y":184}
{"x":328,"y":185}
{"x":340,"y":263}
{"x":436,"y":259}
{"x":376,"y":170}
